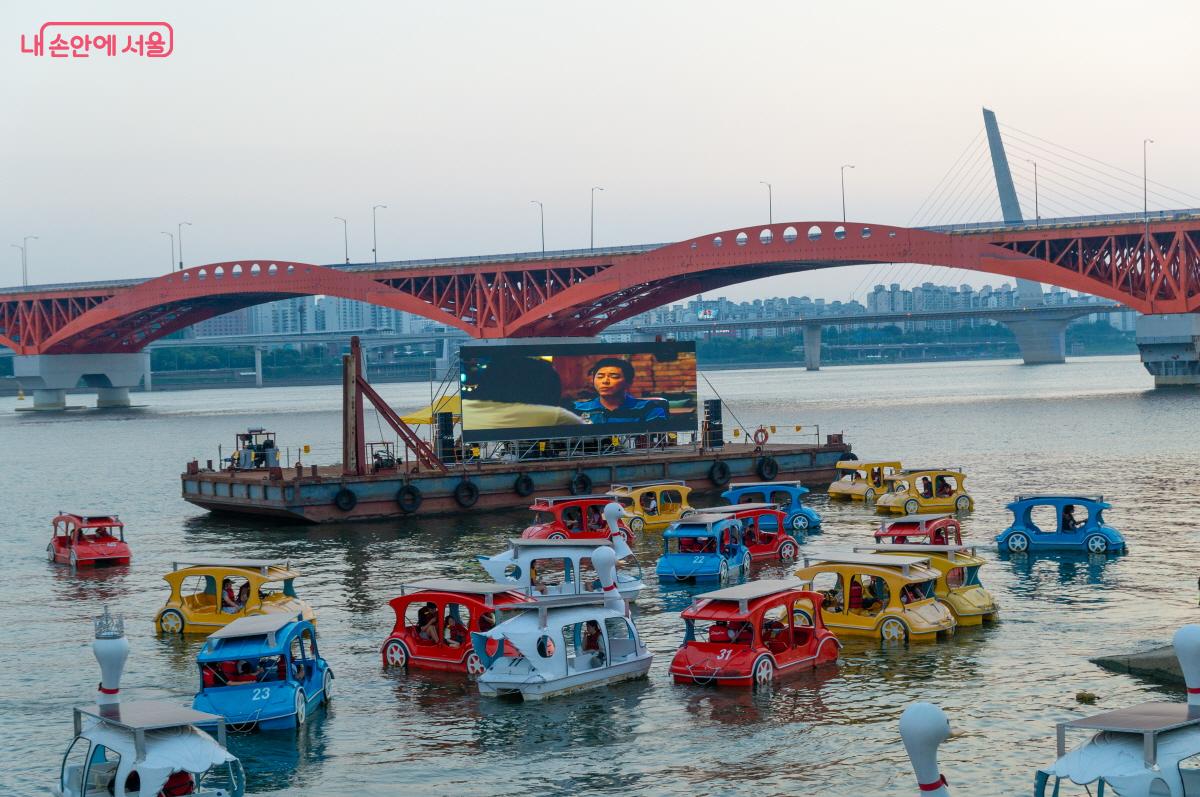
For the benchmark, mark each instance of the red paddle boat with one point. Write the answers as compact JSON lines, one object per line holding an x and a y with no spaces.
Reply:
{"x":942,"y":529}
{"x":81,"y":540}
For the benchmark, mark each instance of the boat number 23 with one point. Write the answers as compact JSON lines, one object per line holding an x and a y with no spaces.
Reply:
{"x":262,"y":693}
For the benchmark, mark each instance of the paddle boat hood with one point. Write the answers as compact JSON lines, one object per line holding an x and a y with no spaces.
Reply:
{"x":564,"y":643}
{"x":142,"y":748}
{"x":263,"y":673}
{"x":798,"y":518}
{"x":551,"y":568}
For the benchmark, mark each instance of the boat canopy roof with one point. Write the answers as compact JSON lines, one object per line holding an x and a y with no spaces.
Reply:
{"x":89,"y":521}
{"x":146,"y":715}
{"x":904,"y":563}
{"x":554,"y":500}
{"x":866,"y":464}
{"x":951,"y":551}
{"x":570,"y":542}
{"x":733,"y":509}
{"x":255,"y":625}
{"x":656,"y":483}
{"x":767,"y":485}
{"x":700,"y":523}
{"x":268,"y":568}
{"x":483,"y":588}
{"x":918,"y":519}
{"x":919,"y":471}
{"x":1069,"y":497}
{"x":751,"y":590}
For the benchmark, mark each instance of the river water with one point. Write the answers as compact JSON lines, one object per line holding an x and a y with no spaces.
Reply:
{"x":1092,"y":425}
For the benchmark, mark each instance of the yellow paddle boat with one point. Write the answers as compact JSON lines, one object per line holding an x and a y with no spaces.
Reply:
{"x":958,"y":584}
{"x":861,"y":481}
{"x":210,"y":594}
{"x":652,"y":505}
{"x":925,"y":491}
{"x":888,"y":597}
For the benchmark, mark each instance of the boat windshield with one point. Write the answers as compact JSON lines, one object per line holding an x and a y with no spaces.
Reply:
{"x":253,"y":669}
{"x":541,"y":518}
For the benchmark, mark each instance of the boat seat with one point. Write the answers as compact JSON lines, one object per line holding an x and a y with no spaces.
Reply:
{"x":718,"y":633}
{"x":802,"y":635}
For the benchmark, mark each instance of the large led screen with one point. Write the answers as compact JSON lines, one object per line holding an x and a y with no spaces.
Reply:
{"x":530,"y":391}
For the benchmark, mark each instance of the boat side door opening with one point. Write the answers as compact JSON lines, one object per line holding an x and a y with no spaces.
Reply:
{"x":589,"y":579}
{"x":753,"y":498}
{"x":945,"y":485}
{"x":775,"y":629}
{"x":456,"y":619}
{"x":1073,"y":518}
{"x":781,"y":498}
{"x":1042,"y":519}
{"x":622,"y":639}
{"x":572,"y":518}
{"x":802,"y":621}
{"x":868,"y":595}
{"x":421,"y":618}
{"x":671,"y":502}
{"x":829,"y":584}
{"x":649,"y":503}
{"x":199,"y":594}
{"x":74,"y":766}
{"x":552,"y":576}
{"x":584,"y":646}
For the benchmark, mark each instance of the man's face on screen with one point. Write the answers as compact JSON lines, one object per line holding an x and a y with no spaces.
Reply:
{"x":610,"y":382}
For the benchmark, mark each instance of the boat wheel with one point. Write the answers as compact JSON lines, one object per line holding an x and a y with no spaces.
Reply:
{"x":724,"y":572}
{"x":74,"y":558}
{"x":171,"y":622}
{"x":1097,"y":544}
{"x":637,"y":525}
{"x":963,"y":504}
{"x":1018,"y":543}
{"x":557,"y":536}
{"x":800,"y":522}
{"x":301,"y":707}
{"x":787,"y":551}
{"x":50,"y":552}
{"x":327,"y":687}
{"x":893,"y":630}
{"x":764,"y":672}
{"x":911,"y":506}
{"x":869,"y":496}
{"x":474,"y":665}
{"x":395,"y":654}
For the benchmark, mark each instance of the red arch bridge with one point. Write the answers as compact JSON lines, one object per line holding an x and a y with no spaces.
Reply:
{"x":97,"y":331}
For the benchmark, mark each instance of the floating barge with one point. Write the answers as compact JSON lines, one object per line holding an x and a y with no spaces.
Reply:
{"x":359,"y":489}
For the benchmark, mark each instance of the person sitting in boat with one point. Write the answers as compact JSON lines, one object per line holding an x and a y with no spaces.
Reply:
{"x":243,"y":594}
{"x":229,"y":598}
{"x":592,"y":642}
{"x":427,"y":622}
{"x":649,"y":504}
{"x":741,"y":632}
{"x":487,"y":621}
{"x":456,"y":633}
{"x":612,"y":378}
{"x":535,"y":580}
{"x":1069,"y":523}
{"x":595,"y":520}
{"x":926,"y":488}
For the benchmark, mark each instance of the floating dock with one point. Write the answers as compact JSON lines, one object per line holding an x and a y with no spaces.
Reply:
{"x":304,"y":496}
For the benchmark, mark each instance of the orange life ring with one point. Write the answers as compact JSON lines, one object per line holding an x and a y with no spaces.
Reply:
{"x":760,"y":436}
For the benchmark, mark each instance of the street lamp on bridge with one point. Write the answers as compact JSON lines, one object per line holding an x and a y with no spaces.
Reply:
{"x":374,"y":235}
{"x":770,"y":202}
{"x":592,"y":228}
{"x":180,"y":227}
{"x":24,"y":247}
{"x":845,"y":166}
{"x":345,"y":237}
{"x":171,"y":235}
{"x":542,"y":221}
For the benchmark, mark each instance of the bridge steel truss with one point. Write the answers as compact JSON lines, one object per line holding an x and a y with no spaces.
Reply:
{"x":582,"y":293}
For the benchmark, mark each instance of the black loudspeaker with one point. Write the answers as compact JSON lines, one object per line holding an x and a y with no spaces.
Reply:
{"x":445,"y":436}
{"x":714,"y":430}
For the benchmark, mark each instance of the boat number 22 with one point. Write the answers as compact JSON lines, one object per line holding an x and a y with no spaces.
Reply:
{"x":261,"y":694}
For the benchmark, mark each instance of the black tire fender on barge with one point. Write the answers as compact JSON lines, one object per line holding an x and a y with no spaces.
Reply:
{"x":581,"y":484}
{"x":409,"y":498}
{"x":523,"y":486}
{"x":768,"y":468}
{"x":345,"y":499}
{"x":719,"y":474}
{"x":466,"y":494}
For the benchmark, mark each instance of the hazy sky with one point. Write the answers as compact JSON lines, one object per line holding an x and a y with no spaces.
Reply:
{"x":271,"y":118}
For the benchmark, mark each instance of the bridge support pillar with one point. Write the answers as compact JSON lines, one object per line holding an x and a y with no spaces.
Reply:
{"x":1170,"y":348}
{"x":812,"y":347}
{"x":257,"y":366}
{"x":1042,"y":341}
{"x":50,"y":376}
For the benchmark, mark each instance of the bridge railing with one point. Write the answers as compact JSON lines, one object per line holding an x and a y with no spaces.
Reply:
{"x":1067,"y":221}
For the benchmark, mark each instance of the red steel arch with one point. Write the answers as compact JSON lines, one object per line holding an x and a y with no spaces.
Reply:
{"x":574,"y":294}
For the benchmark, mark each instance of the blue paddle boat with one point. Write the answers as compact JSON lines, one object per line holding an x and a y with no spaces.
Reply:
{"x":263,"y":672}
{"x":703,"y":547}
{"x":1060,"y":523}
{"x":785,"y":495}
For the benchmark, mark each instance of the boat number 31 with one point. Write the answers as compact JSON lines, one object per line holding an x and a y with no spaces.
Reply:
{"x":261,"y":694}
{"x":724,"y":653}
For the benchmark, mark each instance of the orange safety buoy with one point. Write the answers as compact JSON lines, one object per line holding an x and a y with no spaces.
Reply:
{"x":760,"y":436}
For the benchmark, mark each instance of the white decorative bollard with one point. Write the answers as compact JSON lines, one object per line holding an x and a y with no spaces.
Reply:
{"x":1187,"y":650}
{"x":111,"y":649}
{"x":923,"y":726}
